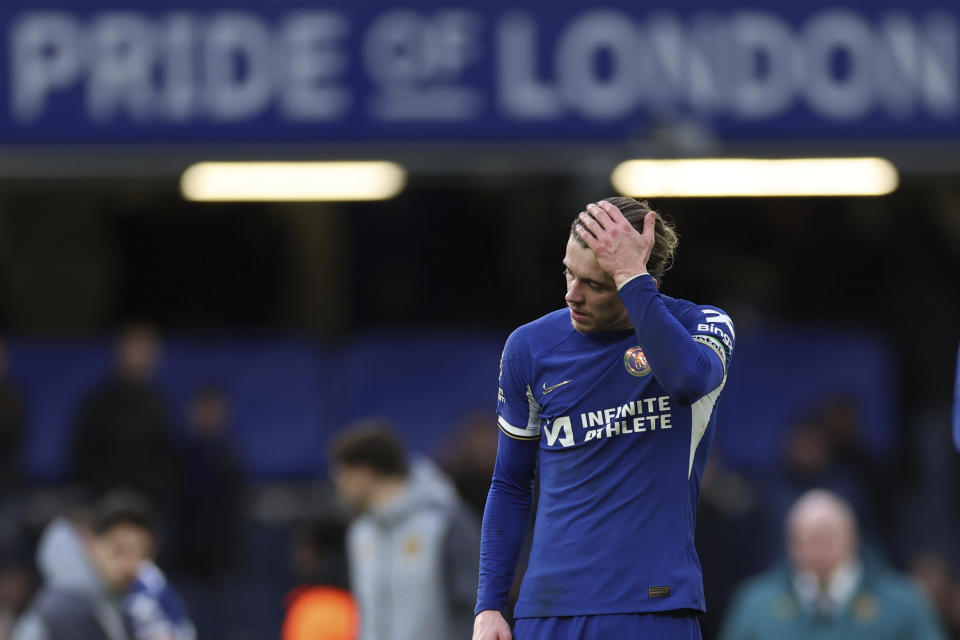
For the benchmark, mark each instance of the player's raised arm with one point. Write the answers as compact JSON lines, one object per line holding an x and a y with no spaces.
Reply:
{"x":687,"y":368}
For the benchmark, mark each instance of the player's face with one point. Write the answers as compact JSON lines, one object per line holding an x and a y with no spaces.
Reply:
{"x":354,"y":485}
{"x":118,"y":553}
{"x":591,"y":293}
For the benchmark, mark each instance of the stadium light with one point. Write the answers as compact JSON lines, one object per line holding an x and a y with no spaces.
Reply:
{"x":750,"y":177}
{"x":292,"y":181}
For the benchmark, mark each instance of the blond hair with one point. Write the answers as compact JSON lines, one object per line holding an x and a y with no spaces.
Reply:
{"x":665,"y":236}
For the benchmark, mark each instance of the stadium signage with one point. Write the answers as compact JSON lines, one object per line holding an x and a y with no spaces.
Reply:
{"x":368,"y":72}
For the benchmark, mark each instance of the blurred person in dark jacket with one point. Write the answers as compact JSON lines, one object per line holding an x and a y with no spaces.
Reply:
{"x":932,"y":572}
{"x":320,"y":607}
{"x":414,"y":549}
{"x":829,"y":587}
{"x":122,"y":435}
{"x":17,"y":584}
{"x":11,"y":442}
{"x":469,"y":458}
{"x":88,"y":568}
{"x":11,"y":427}
{"x":729,"y":512}
{"x":212,"y":493}
{"x":809,"y":461}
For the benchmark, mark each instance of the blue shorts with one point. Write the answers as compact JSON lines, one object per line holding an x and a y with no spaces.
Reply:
{"x":669,"y":625}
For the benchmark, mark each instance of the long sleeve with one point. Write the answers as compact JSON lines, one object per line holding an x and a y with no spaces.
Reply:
{"x":505,"y":519}
{"x":687,"y":366}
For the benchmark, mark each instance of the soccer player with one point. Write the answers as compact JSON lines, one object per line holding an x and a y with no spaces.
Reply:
{"x":613,"y":400}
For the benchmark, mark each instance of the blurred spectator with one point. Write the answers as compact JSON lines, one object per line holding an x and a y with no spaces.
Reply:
{"x":729,"y":512}
{"x":811,"y":460}
{"x":11,"y":439}
{"x":122,"y":436}
{"x":87,"y":570}
{"x":319,"y":553}
{"x":16,"y":590}
{"x":953,"y":613}
{"x":212,"y":494}
{"x":829,"y":588}
{"x":321,"y":608}
{"x":413,"y":552}
{"x":154,"y":609}
{"x":469,"y":457}
{"x":931,"y":571}
{"x":11,"y":427}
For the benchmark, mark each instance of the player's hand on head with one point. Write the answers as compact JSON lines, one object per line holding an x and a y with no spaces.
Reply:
{"x":490,"y":625}
{"x":620,"y":249}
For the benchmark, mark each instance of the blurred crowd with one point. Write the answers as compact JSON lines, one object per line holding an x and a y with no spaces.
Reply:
{"x":151,"y":532}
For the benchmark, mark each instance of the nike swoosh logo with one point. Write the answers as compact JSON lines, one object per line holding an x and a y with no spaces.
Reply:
{"x":547,"y":389}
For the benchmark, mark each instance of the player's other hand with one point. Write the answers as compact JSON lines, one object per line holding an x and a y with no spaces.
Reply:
{"x":620,"y":249}
{"x":490,"y":625}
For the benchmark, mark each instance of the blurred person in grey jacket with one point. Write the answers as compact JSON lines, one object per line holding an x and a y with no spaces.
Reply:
{"x":414,"y":549}
{"x":88,"y":570}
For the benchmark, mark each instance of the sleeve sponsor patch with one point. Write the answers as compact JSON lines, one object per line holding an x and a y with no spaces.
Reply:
{"x":714,"y":344}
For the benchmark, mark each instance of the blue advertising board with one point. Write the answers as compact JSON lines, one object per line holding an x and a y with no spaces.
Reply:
{"x":114,"y":71}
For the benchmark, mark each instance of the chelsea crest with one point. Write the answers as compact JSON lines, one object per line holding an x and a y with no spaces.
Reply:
{"x":636,"y":362}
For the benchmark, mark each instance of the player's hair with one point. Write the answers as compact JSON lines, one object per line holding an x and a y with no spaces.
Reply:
{"x":122,"y":507}
{"x":665,"y":235}
{"x":371,"y":443}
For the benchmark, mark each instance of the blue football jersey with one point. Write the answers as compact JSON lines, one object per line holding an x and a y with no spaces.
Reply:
{"x":154,"y":610}
{"x":620,"y":462}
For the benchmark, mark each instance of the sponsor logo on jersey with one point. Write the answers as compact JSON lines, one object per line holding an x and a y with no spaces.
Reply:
{"x":719,"y":325}
{"x":715,"y":317}
{"x":638,"y":416}
{"x":554,"y":387}
{"x":636,"y":362}
{"x":714,"y":344}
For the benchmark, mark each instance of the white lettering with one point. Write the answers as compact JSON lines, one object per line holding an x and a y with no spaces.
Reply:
{"x":663,"y":61}
{"x":46,"y":55}
{"x":940,"y":67}
{"x":313,"y":60}
{"x":585,"y":90}
{"x":613,"y":429}
{"x":665,"y":421}
{"x":230,"y":66}
{"x":663,"y":402}
{"x":522,"y":94}
{"x":238,"y":66}
{"x":761,"y":37}
{"x":707,"y":54}
{"x":417,"y":62}
{"x":638,"y":425}
{"x":838,"y":96}
{"x":122,"y":51}
{"x":560,"y":425}
{"x":608,"y":414}
{"x":178,"y":100}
